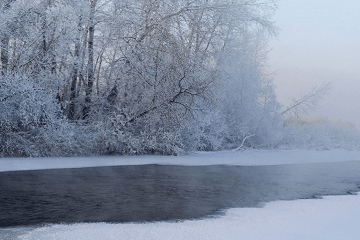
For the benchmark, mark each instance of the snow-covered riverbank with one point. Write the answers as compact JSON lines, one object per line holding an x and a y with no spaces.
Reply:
{"x":246,"y":158}
{"x":335,"y":217}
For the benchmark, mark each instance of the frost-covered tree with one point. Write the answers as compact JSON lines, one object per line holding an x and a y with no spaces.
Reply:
{"x":138,"y":76}
{"x":30,"y":122}
{"x":246,"y":112}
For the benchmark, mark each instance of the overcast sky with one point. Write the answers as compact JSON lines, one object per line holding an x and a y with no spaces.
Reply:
{"x":319,"y":42}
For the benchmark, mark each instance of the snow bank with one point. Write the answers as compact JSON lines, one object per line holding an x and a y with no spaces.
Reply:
{"x":246,"y":158}
{"x":335,"y":217}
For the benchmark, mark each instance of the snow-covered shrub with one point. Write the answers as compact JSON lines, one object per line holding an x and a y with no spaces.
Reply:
{"x":144,"y":136}
{"x":320,"y":134}
{"x":205,"y":133}
{"x":30,"y":122}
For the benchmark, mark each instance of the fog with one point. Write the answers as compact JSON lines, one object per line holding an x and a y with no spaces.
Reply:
{"x":318,"y":43}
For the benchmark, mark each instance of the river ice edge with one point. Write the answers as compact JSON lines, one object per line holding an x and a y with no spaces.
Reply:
{"x":244,"y":158}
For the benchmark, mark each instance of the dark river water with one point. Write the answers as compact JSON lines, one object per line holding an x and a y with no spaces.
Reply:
{"x":156,"y":192}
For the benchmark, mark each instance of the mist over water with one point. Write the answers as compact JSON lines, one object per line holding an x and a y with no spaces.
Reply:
{"x":158,"y":193}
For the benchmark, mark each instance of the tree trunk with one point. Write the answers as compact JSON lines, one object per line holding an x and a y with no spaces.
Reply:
{"x":5,"y":45}
{"x":4,"y":54}
{"x":90,"y":65}
{"x":72,"y":108}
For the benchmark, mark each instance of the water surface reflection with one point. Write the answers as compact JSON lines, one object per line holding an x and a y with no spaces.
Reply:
{"x":156,"y":192}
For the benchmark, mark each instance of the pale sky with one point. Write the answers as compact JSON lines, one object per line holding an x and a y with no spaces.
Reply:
{"x":319,"y":42}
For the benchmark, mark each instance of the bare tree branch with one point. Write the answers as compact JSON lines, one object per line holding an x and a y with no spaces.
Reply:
{"x":308,"y":102}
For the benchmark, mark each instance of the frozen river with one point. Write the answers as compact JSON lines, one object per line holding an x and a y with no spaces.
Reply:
{"x":161,"y":192}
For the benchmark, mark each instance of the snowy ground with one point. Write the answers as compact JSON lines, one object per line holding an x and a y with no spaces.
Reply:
{"x":329,"y":218}
{"x":334,"y":217}
{"x":246,"y":158}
